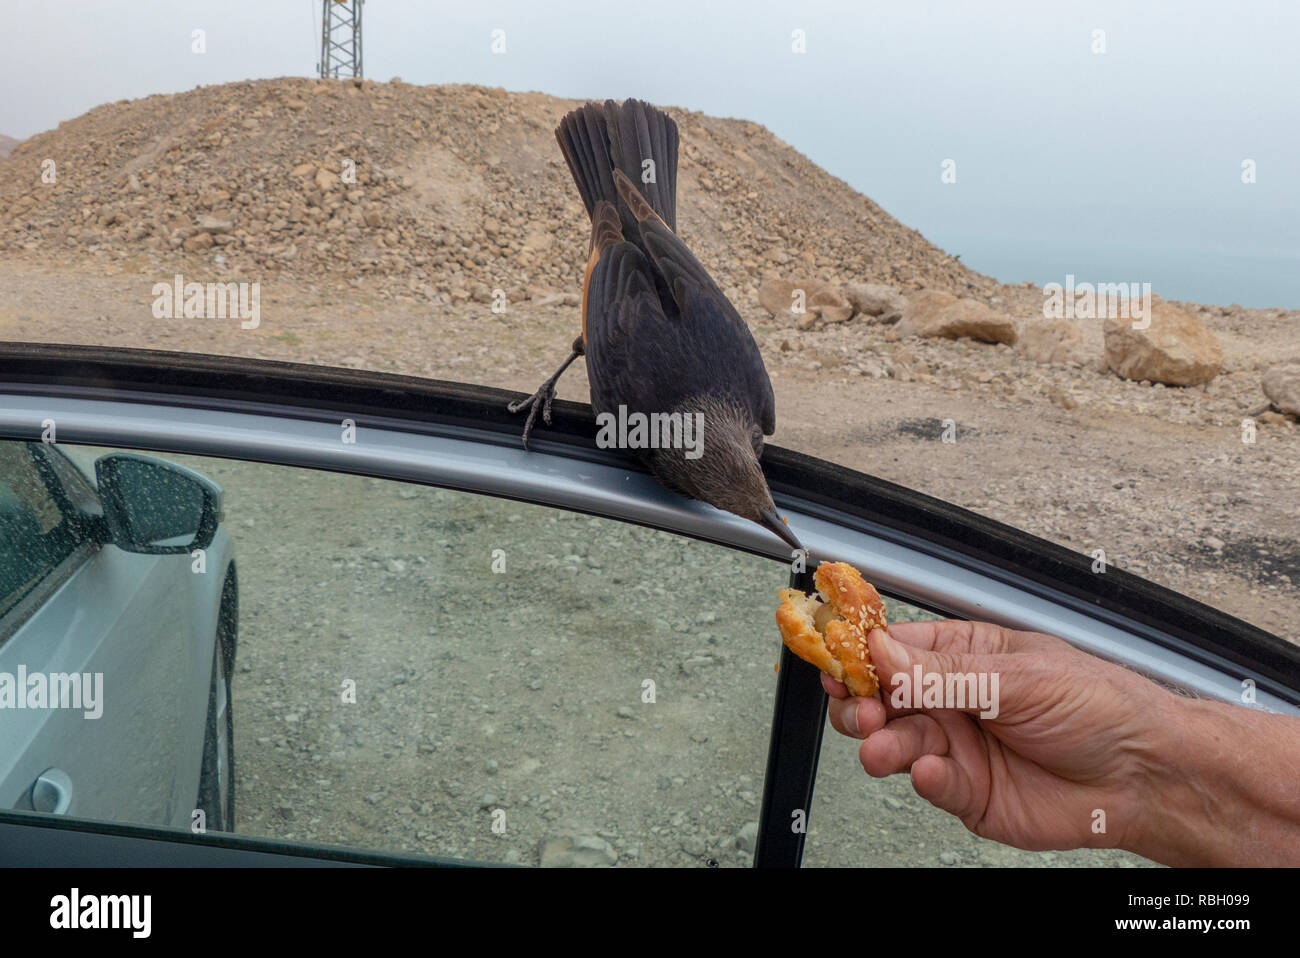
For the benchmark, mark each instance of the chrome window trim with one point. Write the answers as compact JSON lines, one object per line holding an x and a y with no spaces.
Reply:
{"x":472,"y":460}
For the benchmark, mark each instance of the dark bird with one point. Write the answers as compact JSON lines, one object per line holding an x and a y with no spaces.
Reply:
{"x":659,"y":336}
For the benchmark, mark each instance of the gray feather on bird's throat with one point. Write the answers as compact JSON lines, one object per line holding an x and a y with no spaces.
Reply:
{"x":727,"y":472}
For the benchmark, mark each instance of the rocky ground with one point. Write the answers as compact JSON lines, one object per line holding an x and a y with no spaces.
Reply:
{"x":460,"y":192}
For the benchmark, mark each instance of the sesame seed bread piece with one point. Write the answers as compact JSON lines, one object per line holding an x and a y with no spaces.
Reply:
{"x":829,"y":629}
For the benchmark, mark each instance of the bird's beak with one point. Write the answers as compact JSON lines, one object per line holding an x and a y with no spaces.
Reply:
{"x":773,"y":522}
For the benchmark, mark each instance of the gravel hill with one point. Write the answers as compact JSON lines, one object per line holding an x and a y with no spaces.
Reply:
{"x":459,"y":189}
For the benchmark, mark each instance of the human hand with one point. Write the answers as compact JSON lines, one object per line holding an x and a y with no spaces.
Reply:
{"x":1066,"y":763}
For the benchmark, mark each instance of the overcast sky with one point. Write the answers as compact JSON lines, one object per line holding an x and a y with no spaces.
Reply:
{"x":1117,"y":166}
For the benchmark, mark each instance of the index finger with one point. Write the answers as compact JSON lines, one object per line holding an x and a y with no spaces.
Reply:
{"x":962,"y":637}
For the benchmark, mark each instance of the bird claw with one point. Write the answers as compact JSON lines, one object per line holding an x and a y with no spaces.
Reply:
{"x":540,"y":399}
{"x":545,"y":394}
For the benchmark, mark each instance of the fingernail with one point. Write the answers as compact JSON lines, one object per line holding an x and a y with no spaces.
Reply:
{"x":895,"y":659}
{"x":851,"y":718}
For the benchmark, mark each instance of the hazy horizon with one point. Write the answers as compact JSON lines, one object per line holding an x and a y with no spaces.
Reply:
{"x":1119,"y":166}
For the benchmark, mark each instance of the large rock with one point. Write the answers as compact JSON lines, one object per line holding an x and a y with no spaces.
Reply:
{"x":777,"y":295}
{"x":925,"y":302}
{"x":934,"y":313}
{"x":883,"y":304}
{"x":1282,"y":386}
{"x":1174,"y":349}
{"x":822,"y":302}
{"x":829,"y":305}
{"x":918,"y":308}
{"x":1052,"y":340}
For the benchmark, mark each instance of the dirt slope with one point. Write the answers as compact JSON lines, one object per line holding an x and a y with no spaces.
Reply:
{"x":459,"y":187}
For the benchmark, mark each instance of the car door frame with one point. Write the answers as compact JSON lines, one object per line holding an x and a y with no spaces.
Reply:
{"x":916,"y":548}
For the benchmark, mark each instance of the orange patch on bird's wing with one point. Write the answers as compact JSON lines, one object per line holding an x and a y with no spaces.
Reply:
{"x":592,"y":260}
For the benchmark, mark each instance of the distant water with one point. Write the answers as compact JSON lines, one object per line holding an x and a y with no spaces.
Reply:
{"x":1258,"y":279}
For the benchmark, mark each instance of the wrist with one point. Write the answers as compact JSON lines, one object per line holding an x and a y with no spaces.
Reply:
{"x":1214,"y":796}
{"x":1180,"y":793}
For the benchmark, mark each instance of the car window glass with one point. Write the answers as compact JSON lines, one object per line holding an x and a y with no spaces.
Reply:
{"x":439,"y":673}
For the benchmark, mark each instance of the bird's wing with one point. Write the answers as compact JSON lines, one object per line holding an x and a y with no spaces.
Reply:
{"x":709,"y":315}
{"x":648,"y":360}
{"x":723,"y":342}
{"x":628,"y":337}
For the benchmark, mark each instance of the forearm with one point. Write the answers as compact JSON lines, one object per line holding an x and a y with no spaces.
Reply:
{"x":1226,"y":790}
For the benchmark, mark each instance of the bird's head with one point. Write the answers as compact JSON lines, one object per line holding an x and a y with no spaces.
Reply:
{"x":723,"y":468}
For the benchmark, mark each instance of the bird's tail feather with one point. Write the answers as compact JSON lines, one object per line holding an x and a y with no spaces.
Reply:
{"x":596,"y":139}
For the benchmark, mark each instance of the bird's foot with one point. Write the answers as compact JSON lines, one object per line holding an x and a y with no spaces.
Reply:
{"x":542,"y":400}
{"x":545,"y":394}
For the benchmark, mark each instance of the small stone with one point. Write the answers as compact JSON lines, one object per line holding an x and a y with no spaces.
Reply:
{"x":216,"y":224}
{"x":198,"y":242}
{"x":747,"y":837}
{"x":577,"y":851}
{"x":695,"y":663}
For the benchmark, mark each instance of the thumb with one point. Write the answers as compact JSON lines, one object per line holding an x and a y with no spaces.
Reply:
{"x":925,"y":679}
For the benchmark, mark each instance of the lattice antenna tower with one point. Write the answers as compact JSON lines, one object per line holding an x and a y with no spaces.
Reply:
{"x":340,"y":38}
